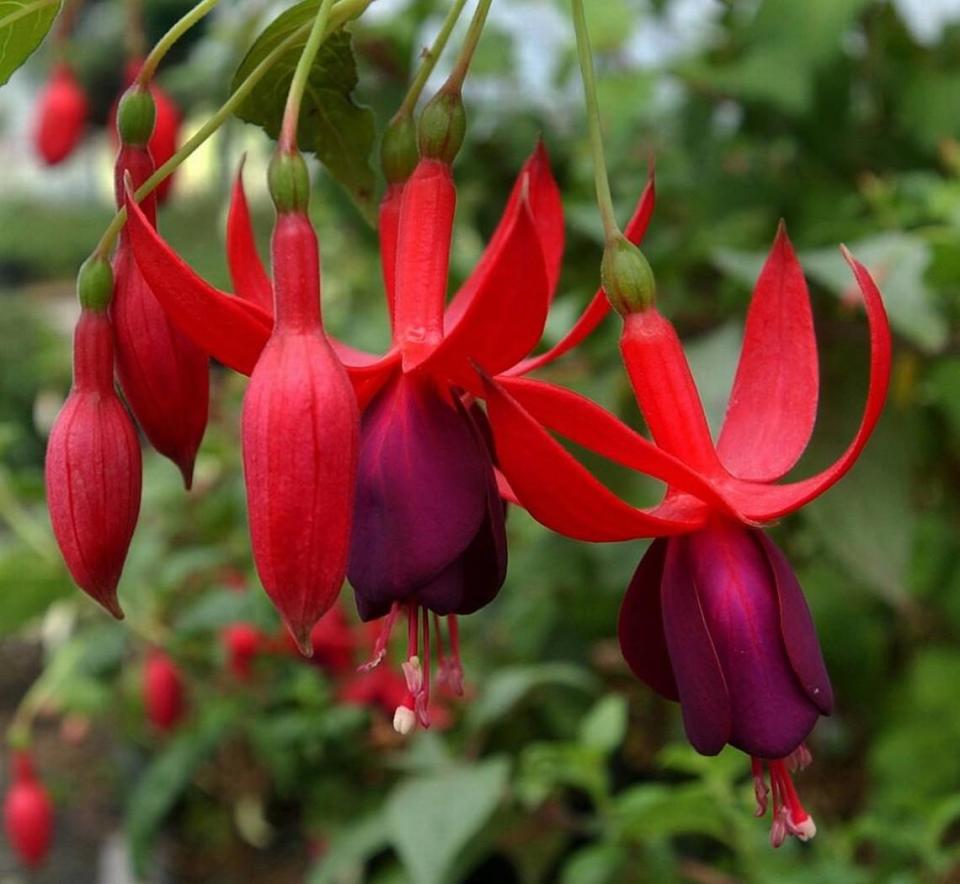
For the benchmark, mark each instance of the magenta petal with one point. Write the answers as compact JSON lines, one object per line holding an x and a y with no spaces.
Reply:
{"x":421,"y":492}
{"x":704,"y":698}
{"x":799,"y":632}
{"x":771,"y":715}
{"x":640,"y":628}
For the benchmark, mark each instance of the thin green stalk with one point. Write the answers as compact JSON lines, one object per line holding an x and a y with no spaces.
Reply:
{"x":429,"y":60}
{"x":342,"y":12}
{"x":167,"y":41}
{"x":459,"y":73}
{"x":585,"y":55}
{"x":287,"y":142}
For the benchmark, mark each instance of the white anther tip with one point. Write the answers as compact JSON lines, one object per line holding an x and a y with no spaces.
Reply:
{"x":404,"y":720}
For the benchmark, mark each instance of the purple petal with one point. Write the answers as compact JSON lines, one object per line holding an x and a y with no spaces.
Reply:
{"x":799,"y":633}
{"x":642,"y":641}
{"x":704,"y":698}
{"x":770,"y":713}
{"x":421,"y":492}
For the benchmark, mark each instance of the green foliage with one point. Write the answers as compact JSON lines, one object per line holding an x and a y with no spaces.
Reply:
{"x":23,"y":25}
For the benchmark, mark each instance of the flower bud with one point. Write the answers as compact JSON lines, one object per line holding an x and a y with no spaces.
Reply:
{"x":95,"y":284}
{"x":243,"y":642}
{"x":289,"y":182}
{"x":61,"y":116}
{"x":163,"y":142}
{"x":93,"y":467}
{"x":443,"y":125}
{"x":136,"y":116}
{"x":27,"y":813}
{"x":163,"y":374}
{"x":398,"y":151}
{"x":163,"y":696}
{"x":626,"y":277}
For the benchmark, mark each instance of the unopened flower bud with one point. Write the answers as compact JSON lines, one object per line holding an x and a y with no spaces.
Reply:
{"x":289,"y":182}
{"x":27,"y":812}
{"x":136,"y":116}
{"x":95,"y":284}
{"x":626,"y":277}
{"x":398,"y":151}
{"x":443,"y":125}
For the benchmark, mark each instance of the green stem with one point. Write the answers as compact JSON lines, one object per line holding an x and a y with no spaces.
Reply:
{"x":585,"y":55}
{"x":429,"y":60}
{"x":287,"y":142}
{"x":459,"y":73}
{"x":167,"y":41}
{"x":342,"y":12}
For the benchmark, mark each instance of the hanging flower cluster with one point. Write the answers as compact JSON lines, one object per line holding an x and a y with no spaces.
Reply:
{"x":395,"y":471}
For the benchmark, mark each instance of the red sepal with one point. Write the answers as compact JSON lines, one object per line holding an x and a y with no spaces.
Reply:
{"x":388,"y":229}
{"x":559,"y":492}
{"x":250,"y":279}
{"x":768,"y":502}
{"x":773,"y":404}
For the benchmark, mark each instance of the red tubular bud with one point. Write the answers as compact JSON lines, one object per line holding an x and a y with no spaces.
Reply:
{"x":300,"y":430}
{"x":242,"y":642}
{"x":61,"y":116}
{"x":164,"y":375}
{"x":166,"y":132}
{"x":163,"y":696}
{"x":27,"y":813}
{"x":93,"y":468}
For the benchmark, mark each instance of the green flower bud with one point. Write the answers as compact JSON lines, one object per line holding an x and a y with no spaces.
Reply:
{"x":443,"y":124}
{"x":398,"y":150}
{"x":95,"y":284}
{"x":626,"y":277}
{"x":136,"y":116}
{"x":289,"y":182}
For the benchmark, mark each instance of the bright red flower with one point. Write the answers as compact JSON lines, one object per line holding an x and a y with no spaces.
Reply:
{"x":243,"y":642}
{"x":714,"y":616}
{"x":27,"y":812}
{"x":164,"y":375}
{"x":93,"y":468}
{"x":163,"y":691}
{"x":61,"y":116}
{"x":428,"y":523}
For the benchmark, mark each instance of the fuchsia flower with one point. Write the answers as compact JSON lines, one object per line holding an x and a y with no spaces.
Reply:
{"x":242,"y":642}
{"x":163,"y":691}
{"x":61,"y":116}
{"x":714,"y":616}
{"x":428,"y":532}
{"x":27,"y":812}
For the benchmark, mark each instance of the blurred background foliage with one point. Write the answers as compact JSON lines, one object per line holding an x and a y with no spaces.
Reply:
{"x":840,"y":116}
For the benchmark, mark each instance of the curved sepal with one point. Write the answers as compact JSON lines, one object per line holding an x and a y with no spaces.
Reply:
{"x":250,"y":279}
{"x":388,"y":229}
{"x":767,"y":502}
{"x":556,"y":489}
{"x":773,"y":403}
{"x":505,"y":318}
{"x":231,"y":330}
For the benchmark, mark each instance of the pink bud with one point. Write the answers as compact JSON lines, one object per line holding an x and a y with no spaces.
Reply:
{"x":93,"y":468}
{"x":163,"y":693}
{"x":28,"y":813}
{"x":61,"y":116}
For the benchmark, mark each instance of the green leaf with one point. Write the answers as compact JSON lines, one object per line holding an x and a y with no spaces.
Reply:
{"x":348,"y":851}
{"x":338,"y":131}
{"x":653,"y":810}
{"x":596,"y":864}
{"x":431,"y":819}
{"x":508,"y":686}
{"x":605,"y":725}
{"x":168,"y":776}
{"x":23,"y":25}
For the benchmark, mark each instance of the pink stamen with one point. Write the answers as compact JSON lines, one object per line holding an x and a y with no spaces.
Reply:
{"x":383,"y":639}
{"x":789,"y":815}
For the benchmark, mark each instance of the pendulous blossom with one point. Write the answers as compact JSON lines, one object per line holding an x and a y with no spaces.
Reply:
{"x":163,"y":691}
{"x":27,"y":812}
{"x":714,"y":616}
{"x":61,"y":116}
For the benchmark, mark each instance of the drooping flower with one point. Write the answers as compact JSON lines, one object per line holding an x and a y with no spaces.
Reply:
{"x":61,"y":116}
{"x":163,"y":691}
{"x":428,"y":535}
{"x":714,"y":616}
{"x":27,"y":812}
{"x":163,"y":374}
{"x":243,"y":642}
{"x":93,"y":465}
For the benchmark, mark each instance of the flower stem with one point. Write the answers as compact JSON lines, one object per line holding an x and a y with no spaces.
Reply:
{"x":167,"y":41}
{"x":459,"y":73}
{"x":342,"y":12}
{"x":287,"y":142}
{"x":585,"y":55}
{"x":429,"y":60}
